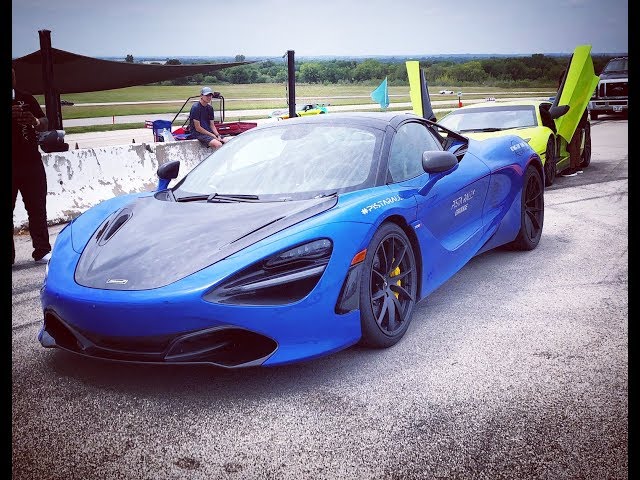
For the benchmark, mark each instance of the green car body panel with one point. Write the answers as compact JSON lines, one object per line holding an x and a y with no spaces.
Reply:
{"x":576,"y":89}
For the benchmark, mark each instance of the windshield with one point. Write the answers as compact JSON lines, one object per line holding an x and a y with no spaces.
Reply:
{"x":289,"y":161}
{"x":490,"y":118}
{"x":617,"y":65}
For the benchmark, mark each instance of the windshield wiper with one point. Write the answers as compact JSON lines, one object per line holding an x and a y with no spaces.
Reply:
{"x":221,"y":197}
{"x":192,"y":198}
{"x":489,"y":129}
{"x":217,"y":197}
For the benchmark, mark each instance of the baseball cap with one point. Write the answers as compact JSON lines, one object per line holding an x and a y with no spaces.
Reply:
{"x":206,"y":91}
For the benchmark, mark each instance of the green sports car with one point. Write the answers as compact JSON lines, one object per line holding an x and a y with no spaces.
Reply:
{"x":304,"y":110}
{"x":555,"y":128}
{"x":529,"y":119}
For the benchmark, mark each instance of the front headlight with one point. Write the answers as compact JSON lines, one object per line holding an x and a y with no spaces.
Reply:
{"x":283,"y":278}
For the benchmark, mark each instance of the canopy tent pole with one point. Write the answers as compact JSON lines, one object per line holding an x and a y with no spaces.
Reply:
{"x":291,"y":76}
{"x":51,"y":96}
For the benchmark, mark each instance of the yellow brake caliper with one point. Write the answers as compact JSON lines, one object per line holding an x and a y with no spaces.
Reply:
{"x":395,"y":273}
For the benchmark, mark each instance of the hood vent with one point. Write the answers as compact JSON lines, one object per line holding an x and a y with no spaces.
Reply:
{"x":153,"y":243}
{"x":120,"y":219}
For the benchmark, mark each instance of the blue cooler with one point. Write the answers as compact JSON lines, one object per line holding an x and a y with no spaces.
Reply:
{"x":159,"y":126}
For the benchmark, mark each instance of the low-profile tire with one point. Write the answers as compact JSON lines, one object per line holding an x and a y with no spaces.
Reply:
{"x":531,"y":211}
{"x":388,"y":287}
{"x":585,"y":156}
{"x":550,"y":162}
{"x":593,"y":115}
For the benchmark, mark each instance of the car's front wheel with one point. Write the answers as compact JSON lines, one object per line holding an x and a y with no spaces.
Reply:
{"x":531,"y":211}
{"x":593,"y":115}
{"x":388,"y":288}
{"x":550,"y":162}
{"x":585,"y":157}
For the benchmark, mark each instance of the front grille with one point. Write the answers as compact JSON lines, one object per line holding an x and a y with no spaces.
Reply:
{"x":614,"y":89}
{"x":221,"y":346}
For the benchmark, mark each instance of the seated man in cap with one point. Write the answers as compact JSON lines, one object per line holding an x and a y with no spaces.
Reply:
{"x":201,"y":123}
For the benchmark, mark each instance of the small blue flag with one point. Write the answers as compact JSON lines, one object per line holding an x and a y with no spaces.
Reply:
{"x":381,"y":94}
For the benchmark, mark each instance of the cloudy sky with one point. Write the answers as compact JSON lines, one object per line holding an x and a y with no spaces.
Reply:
{"x":319,"y":27}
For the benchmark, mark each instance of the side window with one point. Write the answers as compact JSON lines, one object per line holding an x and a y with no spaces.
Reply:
{"x":405,"y":157}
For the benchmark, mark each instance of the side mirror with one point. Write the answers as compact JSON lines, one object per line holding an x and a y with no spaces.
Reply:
{"x":558,"y":111}
{"x":438,"y":161}
{"x":167,"y":172}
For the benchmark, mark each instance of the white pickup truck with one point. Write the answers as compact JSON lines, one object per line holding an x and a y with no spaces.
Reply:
{"x":612,"y":92}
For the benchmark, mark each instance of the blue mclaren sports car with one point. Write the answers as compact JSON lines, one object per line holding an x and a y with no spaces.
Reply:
{"x":294,"y":240}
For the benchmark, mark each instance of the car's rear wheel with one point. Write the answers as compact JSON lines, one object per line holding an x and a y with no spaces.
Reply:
{"x":573,"y":148}
{"x":586,"y":151}
{"x":389,"y":287}
{"x":531,"y":211}
{"x":550,"y":162}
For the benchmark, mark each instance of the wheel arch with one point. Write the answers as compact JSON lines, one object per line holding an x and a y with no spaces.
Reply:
{"x":537,"y":163}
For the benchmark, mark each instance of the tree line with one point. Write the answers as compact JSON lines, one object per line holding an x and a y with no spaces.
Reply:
{"x":537,"y":70}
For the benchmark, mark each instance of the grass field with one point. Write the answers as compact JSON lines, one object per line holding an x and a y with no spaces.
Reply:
{"x":269,"y":96}
{"x":245,"y":97}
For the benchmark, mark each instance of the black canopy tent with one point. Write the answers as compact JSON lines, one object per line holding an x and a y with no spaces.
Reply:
{"x":75,"y":73}
{"x":52,"y":72}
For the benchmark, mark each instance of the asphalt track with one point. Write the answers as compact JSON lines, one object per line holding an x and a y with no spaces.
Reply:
{"x":516,"y":368}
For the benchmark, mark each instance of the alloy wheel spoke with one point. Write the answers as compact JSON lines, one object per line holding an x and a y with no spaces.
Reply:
{"x":391,"y":308}
{"x":383,"y":312}
{"x":397,"y":307}
{"x":379,"y":294}
{"x":400,"y":291}
{"x":380,"y":275}
{"x":532,"y":197}
{"x":398,"y":258}
{"x":388,"y":253}
{"x":381,"y":255}
{"x":533,"y":219}
{"x":401,"y":276}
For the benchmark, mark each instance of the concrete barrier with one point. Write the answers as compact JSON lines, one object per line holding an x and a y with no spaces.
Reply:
{"x":79,"y":179}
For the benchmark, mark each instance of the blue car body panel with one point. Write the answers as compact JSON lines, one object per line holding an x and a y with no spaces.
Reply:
{"x":472,"y":209}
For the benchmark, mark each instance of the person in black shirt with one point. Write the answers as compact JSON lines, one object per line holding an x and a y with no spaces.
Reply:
{"x":27,"y":171}
{"x":201,"y":124}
